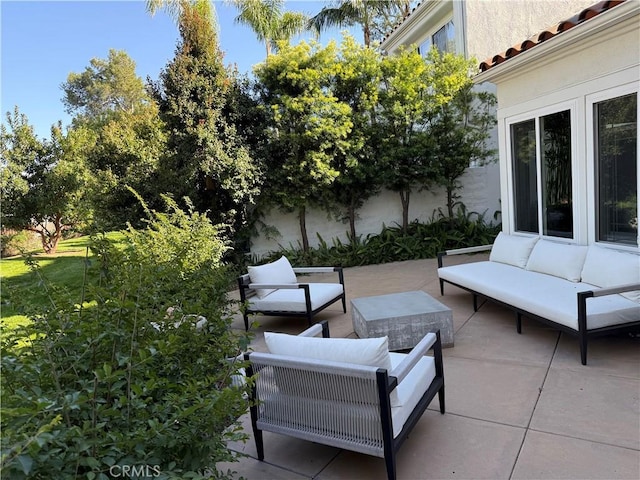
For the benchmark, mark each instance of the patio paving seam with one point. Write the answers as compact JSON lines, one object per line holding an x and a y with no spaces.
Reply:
{"x":573,"y":437}
{"x":533,"y":410}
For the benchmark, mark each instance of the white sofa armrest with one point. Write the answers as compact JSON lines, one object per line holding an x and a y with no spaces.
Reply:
{"x":601,"y":292}
{"x":403,"y":369}
{"x":277,"y":286}
{"x":314,"y":269}
{"x":462,"y":251}
{"x":314,"y":330}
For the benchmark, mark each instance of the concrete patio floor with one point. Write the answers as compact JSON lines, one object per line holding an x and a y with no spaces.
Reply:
{"x":518,"y":406}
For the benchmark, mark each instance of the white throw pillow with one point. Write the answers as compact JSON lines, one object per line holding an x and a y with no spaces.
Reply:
{"x":279,"y":271}
{"x":558,"y":259}
{"x":512,"y":249}
{"x":373,"y":352}
{"x":604,"y":267}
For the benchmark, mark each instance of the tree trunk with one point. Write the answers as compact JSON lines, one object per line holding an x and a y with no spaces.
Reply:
{"x":302,"y":216}
{"x":450,"y":203}
{"x":404,"y":198}
{"x":352,"y":220}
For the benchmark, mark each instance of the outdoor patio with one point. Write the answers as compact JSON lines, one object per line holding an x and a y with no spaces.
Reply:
{"x":518,"y":406}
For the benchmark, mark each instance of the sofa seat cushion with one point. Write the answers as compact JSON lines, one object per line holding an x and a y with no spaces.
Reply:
{"x":544,"y":295}
{"x":292,"y":300}
{"x":411,"y":389}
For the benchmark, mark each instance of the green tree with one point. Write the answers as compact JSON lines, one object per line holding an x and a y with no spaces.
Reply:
{"x":356,"y":83}
{"x":267,"y":19}
{"x":461,"y":128}
{"x":375,"y":16}
{"x":106,"y":86}
{"x":42,"y":181}
{"x":309,"y":126}
{"x":112,"y":108}
{"x":206,"y":157}
{"x":413,"y":89}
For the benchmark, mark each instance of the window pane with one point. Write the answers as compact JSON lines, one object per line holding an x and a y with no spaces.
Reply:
{"x":555,"y":141}
{"x":523,"y":150}
{"x":444,"y":39}
{"x":424,"y":47}
{"x":617,"y":169}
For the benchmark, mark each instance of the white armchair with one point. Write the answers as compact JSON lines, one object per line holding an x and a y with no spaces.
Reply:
{"x":347,"y":393}
{"x":274,"y":289}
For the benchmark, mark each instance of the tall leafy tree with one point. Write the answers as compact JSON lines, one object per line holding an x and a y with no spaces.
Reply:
{"x":42,"y":182}
{"x":206,"y":157}
{"x":269,"y":22}
{"x":357,"y":77}
{"x":413,"y":89}
{"x":374,"y":16}
{"x":111,"y":104}
{"x":309,"y":126}
{"x":105,"y":87}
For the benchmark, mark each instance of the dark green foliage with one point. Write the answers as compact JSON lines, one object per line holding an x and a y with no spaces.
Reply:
{"x":394,"y":244}
{"x":124,"y":376}
{"x":206,"y":158}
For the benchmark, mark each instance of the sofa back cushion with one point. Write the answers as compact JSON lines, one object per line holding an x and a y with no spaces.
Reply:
{"x":279,"y":271}
{"x":604,"y":268}
{"x":512,"y":249}
{"x":558,"y":259}
{"x":372,"y":352}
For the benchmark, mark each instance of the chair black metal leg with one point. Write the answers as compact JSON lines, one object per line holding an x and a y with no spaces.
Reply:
{"x":518,"y":322}
{"x":344,"y":304}
{"x":390,"y":463}
{"x":441,"y":287}
{"x":441,"y":399}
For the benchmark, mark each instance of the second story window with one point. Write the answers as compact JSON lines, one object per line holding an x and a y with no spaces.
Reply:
{"x":443,"y":39}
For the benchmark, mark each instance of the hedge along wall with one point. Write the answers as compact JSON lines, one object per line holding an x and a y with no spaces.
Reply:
{"x":480,"y":193}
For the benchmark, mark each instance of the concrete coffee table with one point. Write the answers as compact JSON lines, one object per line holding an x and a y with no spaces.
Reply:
{"x":404,"y":317}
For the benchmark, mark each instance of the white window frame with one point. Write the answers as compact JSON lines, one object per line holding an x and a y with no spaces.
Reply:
{"x":592,"y":199}
{"x":572,"y":107}
{"x":432,"y":32}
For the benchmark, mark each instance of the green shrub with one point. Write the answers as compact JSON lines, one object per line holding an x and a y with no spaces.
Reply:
{"x":393,"y":244}
{"x":128,"y":377}
{"x":16,"y":242}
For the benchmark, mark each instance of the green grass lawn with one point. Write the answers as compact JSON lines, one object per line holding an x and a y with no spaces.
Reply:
{"x":65,"y":268}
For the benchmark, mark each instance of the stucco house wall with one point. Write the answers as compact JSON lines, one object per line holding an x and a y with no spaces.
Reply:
{"x":594,"y":61}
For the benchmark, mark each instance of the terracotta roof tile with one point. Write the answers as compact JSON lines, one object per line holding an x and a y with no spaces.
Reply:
{"x":550,"y":32}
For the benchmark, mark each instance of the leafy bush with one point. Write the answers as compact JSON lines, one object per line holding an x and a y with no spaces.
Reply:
{"x":129,"y":378}
{"x":394,"y":244}
{"x":14,"y":242}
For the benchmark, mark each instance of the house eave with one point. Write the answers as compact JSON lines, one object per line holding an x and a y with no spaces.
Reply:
{"x":543,"y":53}
{"x":397,"y":37}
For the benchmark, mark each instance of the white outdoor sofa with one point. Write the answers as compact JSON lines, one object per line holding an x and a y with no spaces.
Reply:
{"x":274,"y":289}
{"x":580,"y":290}
{"x":343,"y":392}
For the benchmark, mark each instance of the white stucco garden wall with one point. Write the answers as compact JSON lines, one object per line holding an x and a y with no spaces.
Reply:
{"x":480,"y":193}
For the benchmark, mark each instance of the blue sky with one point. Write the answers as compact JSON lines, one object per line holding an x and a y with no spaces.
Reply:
{"x":43,"y":41}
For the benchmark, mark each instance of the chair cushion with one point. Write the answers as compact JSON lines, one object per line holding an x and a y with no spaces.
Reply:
{"x":279,"y":271}
{"x":604,"y":268}
{"x":512,"y":249}
{"x":373,"y":352}
{"x":292,"y":300}
{"x":411,"y":389}
{"x":557,"y":259}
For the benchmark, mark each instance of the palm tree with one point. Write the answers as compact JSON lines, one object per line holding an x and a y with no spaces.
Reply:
{"x":268,"y":21}
{"x":175,"y":8}
{"x":367,"y":13}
